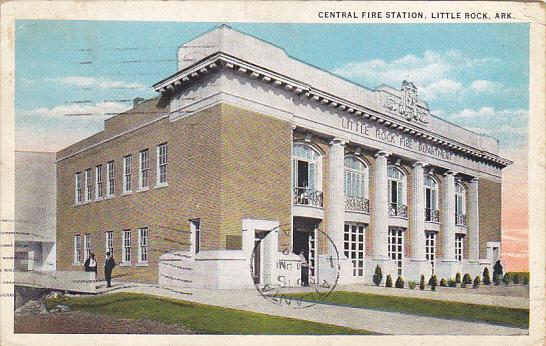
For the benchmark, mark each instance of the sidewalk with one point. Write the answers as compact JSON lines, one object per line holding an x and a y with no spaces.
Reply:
{"x":372,"y":320}
{"x":467,"y":296}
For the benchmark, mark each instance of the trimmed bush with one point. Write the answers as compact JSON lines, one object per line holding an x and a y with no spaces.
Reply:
{"x":506,"y":279}
{"x":433,"y":280}
{"x":463,"y":285}
{"x":433,"y":286}
{"x":443,"y":282}
{"x":422,"y":283}
{"x":378,"y":276}
{"x":452,"y":283}
{"x":515,"y":278}
{"x":388,"y":283}
{"x":486,"y":277}
{"x":458,"y":278}
{"x":467,"y":279}
{"x":497,"y":279}
{"x":399,"y":282}
{"x":412,"y":284}
{"x":526,"y":281}
{"x":476,"y":283}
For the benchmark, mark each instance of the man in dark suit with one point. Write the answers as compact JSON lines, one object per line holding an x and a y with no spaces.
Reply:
{"x":109,"y":264}
{"x":91,"y":264}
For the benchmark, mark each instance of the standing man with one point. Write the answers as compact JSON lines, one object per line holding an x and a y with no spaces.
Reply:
{"x":109,"y":264}
{"x":90,"y":264}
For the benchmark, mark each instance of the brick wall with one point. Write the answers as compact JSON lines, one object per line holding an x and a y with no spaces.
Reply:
{"x":490,"y":213}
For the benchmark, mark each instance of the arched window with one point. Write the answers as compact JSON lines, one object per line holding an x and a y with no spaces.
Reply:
{"x":397,"y":192}
{"x":356,"y":185}
{"x":431,"y":199}
{"x":460,"y":204}
{"x":306,"y":174}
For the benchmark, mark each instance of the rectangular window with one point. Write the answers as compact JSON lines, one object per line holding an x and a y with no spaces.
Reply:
{"x":430,"y":248}
{"x":98,"y":180}
{"x":396,"y":247}
{"x":143,"y":245}
{"x":126,"y":250}
{"x":87,"y":245}
{"x":88,"y":180}
{"x":127,"y":173}
{"x":110,"y":188}
{"x":110,"y":242}
{"x":162,"y":164}
{"x":144,"y":165}
{"x":353,"y":247}
{"x":79,"y":190}
{"x":195,"y":226}
{"x":459,"y":247}
{"x":77,"y":249}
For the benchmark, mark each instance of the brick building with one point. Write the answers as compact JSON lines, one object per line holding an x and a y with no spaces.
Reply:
{"x":250,"y":160}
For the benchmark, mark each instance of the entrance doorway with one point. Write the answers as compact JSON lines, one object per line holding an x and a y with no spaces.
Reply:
{"x":258,"y":256}
{"x":305,"y":245}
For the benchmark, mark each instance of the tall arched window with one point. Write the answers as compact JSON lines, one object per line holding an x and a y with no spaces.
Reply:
{"x":306,"y":175}
{"x":431,"y":200}
{"x":460,"y":204}
{"x":397,"y":192}
{"x":356,"y":185}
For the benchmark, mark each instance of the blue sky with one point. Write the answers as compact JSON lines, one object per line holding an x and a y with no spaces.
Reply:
{"x":475,"y":75}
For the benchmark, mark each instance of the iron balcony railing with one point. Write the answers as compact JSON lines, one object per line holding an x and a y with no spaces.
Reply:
{"x":399,"y":210}
{"x":306,"y":196}
{"x":356,"y":203}
{"x":432,"y":215}
{"x":460,"y":219}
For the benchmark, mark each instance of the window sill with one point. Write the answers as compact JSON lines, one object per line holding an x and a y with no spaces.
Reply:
{"x":142,"y":264}
{"x":158,"y":186}
{"x":98,"y":199}
{"x":109,"y":197}
{"x":81,"y":203}
{"x":127,"y":193}
{"x":125,"y":264}
{"x":143,"y":189}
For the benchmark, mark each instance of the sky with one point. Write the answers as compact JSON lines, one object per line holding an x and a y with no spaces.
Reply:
{"x":71,"y":75}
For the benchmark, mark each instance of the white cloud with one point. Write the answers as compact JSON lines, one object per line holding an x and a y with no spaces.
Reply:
{"x":99,"y":109}
{"x":441,"y":87}
{"x":91,"y":82}
{"x":484,"y":86}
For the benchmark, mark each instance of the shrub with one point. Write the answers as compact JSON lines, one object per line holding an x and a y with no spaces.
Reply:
{"x":422,"y":283}
{"x":412,"y":284}
{"x":452,"y":283}
{"x":433,"y":286}
{"x":467,"y":279}
{"x":526,"y":280}
{"x":515,"y":279}
{"x":506,"y":279}
{"x":496,"y":279}
{"x":378,"y":276}
{"x":443,"y":282}
{"x":399,"y":282}
{"x":486,"y":277}
{"x":458,"y":278}
{"x":388,"y":283}
{"x":463,"y":285}
{"x":433,"y":280}
{"x":476,"y":282}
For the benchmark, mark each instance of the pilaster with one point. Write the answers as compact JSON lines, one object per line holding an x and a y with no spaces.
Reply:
{"x":380,"y":212}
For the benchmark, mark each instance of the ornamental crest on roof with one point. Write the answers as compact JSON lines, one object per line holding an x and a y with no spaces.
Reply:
{"x":404,"y":103}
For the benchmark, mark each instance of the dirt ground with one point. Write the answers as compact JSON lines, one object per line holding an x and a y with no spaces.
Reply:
{"x":85,"y":323}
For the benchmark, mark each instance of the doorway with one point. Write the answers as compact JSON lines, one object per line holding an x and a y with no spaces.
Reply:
{"x":305,"y":245}
{"x":258,"y":256}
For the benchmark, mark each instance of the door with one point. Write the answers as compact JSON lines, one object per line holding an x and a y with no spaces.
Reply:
{"x":257,"y":262}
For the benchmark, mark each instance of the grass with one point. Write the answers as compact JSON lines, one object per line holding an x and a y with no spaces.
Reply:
{"x":426,"y":307}
{"x":200,"y":318}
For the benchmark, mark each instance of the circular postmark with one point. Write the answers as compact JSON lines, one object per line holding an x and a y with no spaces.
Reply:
{"x":298,"y":276}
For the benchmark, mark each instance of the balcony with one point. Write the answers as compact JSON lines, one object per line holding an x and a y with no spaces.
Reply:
{"x":355,"y":203}
{"x":398,"y":210}
{"x":306,"y":196}
{"x":432,"y":215}
{"x":460,"y":220}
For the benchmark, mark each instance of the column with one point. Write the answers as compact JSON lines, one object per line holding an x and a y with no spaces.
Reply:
{"x":336,"y":171}
{"x":473,"y":212}
{"x":380,"y":212}
{"x":418,"y":212}
{"x":449,"y":216}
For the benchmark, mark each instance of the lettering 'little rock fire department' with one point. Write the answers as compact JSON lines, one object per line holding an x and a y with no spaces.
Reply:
{"x":249,"y":162}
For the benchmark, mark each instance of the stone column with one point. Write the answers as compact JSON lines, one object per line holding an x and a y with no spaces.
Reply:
{"x":448,"y":220}
{"x":418,"y":213}
{"x":336,"y":171}
{"x":380,"y":211}
{"x":473,"y":212}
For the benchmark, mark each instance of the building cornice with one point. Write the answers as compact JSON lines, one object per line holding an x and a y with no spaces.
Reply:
{"x":221,"y":60}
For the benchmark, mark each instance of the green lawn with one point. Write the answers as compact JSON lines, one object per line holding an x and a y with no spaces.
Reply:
{"x":200,"y":318}
{"x":426,"y":307}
